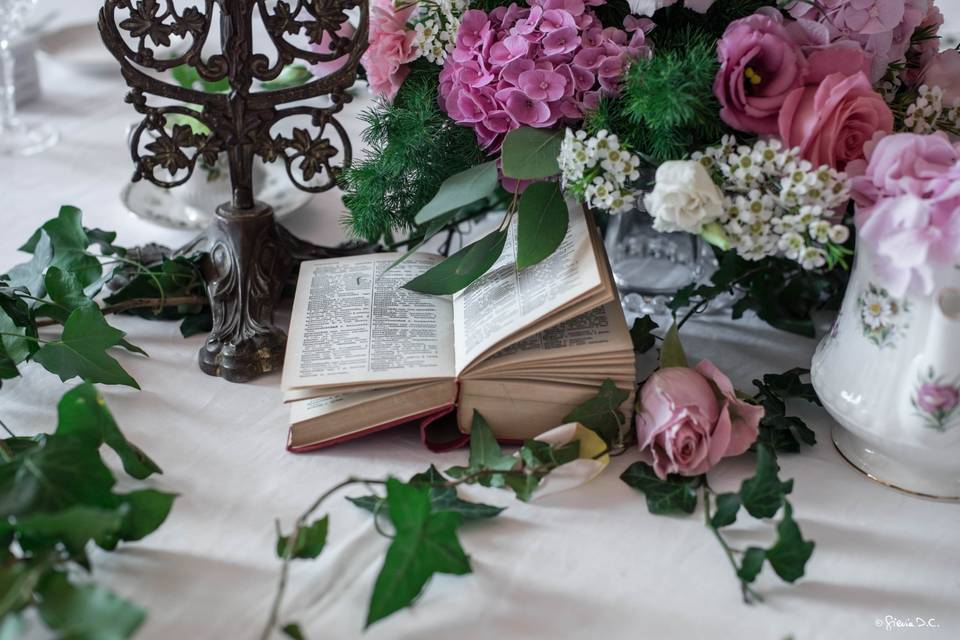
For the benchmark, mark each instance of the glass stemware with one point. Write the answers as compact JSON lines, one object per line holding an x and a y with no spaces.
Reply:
{"x":17,"y":138}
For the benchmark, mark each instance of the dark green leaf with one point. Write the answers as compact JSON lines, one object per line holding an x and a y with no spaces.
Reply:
{"x":74,"y":526}
{"x":310,"y":540}
{"x":762,"y":494}
{"x":460,"y":190}
{"x":17,"y":582}
{"x":293,"y":631}
{"x":531,"y":154}
{"x":17,"y":342}
{"x":641,"y":333}
{"x":602,"y":413}
{"x":671,"y":353}
{"x":442,"y":498}
{"x":676,"y":494}
{"x":87,"y":612}
{"x":65,"y":289}
{"x":485,"y":453}
{"x":726,"y":514}
{"x":83,"y":413}
{"x":57,"y":473}
{"x":462,"y":268}
{"x":81,"y":350}
{"x":751,"y":564}
{"x":30,"y":274}
{"x":424,"y":543}
{"x":542,"y":223}
{"x":789,"y":555}
{"x":536,"y":454}
{"x":104,"y":241}
{"x":197,"y":323}
{"x":523,"y":485}
{"x":144,"y":511}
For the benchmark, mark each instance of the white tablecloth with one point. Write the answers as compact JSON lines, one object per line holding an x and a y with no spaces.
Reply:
{"x":589,"y":563}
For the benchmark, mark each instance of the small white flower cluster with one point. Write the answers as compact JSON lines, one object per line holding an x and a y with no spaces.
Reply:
{"x":777,"y":203}
{"x":928,"y":112}
{"x":437,"y":23}
{"x":598,"y":170}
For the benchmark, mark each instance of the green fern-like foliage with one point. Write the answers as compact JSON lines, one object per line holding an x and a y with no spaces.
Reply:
{"x":413,"y":146}
{"x":666,"y":108}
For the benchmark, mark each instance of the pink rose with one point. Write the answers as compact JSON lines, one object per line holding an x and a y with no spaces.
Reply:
{"x":943,"y":71}
{"x":908,"y":207}
{"x":391,"y":48}
{"x":833,"y":120}
{"x":691,"y":418}
{"x":760,"y":64}
{"x":937,"y":398}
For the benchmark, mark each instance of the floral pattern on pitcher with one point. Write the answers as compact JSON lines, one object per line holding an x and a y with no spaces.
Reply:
{"x":936,"y":401}
{"x":882,"y":317}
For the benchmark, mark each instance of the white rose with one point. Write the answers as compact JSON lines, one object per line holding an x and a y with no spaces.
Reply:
{"x":684,"y":198}
{"x":648,"y":7}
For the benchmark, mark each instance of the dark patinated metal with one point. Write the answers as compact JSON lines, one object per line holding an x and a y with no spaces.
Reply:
{"x":248,"y":256}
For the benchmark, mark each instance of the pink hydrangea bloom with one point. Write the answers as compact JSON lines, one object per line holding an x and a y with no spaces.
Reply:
{"x":533,"y":66}
{"x":882,"y":28}
{"x":908,"y":207}
{"x":391,"y":48}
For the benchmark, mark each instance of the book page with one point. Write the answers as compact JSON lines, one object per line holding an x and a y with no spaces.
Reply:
{"x":504,"y":300}
{"x":599,"y":331}
{"x":352,"y":322}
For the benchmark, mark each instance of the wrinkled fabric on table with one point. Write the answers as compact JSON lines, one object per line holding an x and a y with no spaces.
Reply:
{"x":586,"y":563}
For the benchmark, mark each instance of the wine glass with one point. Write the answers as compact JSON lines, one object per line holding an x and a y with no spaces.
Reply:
{"x":16,"y":137}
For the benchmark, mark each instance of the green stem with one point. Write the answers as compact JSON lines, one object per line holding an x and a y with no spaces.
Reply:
{"x":7,"y":429}
{"x":23,"y":337}
{"x":749,"y":595}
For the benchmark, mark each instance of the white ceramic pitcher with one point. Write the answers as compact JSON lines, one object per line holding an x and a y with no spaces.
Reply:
{"x":889,"y":373}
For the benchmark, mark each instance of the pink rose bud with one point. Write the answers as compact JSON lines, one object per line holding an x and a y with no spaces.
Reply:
{"x":690,"y":419}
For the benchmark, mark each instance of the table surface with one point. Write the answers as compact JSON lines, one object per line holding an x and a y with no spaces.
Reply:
{"x":590,"y":562}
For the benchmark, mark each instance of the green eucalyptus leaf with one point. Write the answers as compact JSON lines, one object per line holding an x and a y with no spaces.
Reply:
{"x":602,"y":413}
{"x":728,"y":504}
{"x":84,"y":414}
{"x":459,"y":190}
{"x":432,"y":229}
{"x":671,"y":353}
{"x":87,"y":612}
{"x":641,"y":333}
{"x":81,"y":350}
{"x":531,"y":154}
{"x":789,"y":555}
{"x":425,"y":543}
{"x":462,"y":268}
{"x":293,"y":631}
{"x":764,"y":493}
{"x":676,"y":494}
{"x":309,"y":540}
{"x":751,"y":564}
{"x":542,"y":223}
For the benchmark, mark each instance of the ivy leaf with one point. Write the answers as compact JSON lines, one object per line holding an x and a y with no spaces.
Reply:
{"x":762,"y":494}
{"x":57,"y":473}
{"x":485,"y":454}
{"x":751,"y":564}
{"x":197,"y":323}
{"x":293,"y":631}
{"x":460,"y":190}
{"x":83,"y":413}
{"x":87,"y":612}
{"x":789,"y":555}
{"x":70,"y":243}
{"x":17,"y":582}
{"x":425,"y":543}
{"x":641,"y":333}
{"x":104,"y":241}
{"x":81,"y":350}
{"x":462,"y":268}
{"x":790,"y":384}
{"x":523,"y":485}
{"x":65,"y":289}
{"x":728,"y":504}
{"x":676,"y":494}
{"x":16,"y":342}
{"x":143,"y":513}
{"x":30,"y":274}
{"x":602,"y":413}
{"x":542,"y":223}
{"x":671,"y":354}
{"x":309,"y":540}
{"x":531,"y":154}
{"x":74,"y":526}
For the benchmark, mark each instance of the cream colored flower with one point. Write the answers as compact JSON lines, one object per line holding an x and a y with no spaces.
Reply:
{"x":684,"y":198}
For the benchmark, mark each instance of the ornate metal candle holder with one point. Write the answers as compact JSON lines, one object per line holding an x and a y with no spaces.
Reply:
{"x":248,"y":256}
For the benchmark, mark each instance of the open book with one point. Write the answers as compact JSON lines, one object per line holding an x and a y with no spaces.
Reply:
{"x":522,"y":347}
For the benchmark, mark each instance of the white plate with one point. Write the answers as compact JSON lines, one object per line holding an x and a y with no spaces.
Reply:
{"x":80,"y":48}
{"x":159,"y":206}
